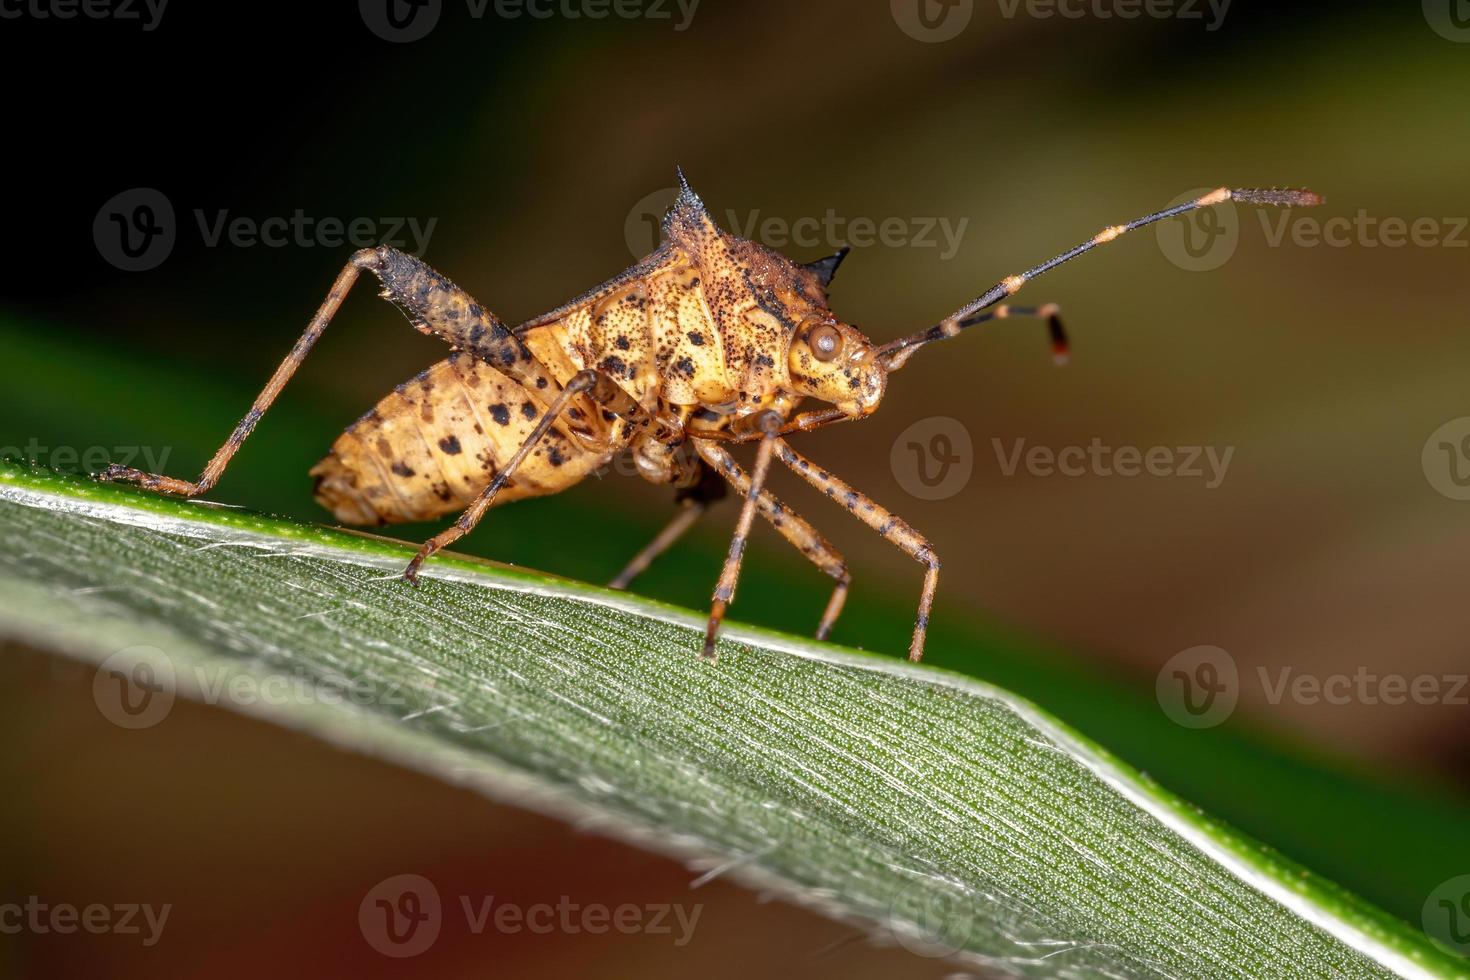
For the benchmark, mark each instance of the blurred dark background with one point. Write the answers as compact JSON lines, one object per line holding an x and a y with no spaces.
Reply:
{"x":526,"y":157}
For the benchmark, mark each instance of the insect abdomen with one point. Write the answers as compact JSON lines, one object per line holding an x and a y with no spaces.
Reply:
{"x":430,"y":447}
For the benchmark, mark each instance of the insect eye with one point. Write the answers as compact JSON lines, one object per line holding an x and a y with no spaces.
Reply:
{"x":825,"y":342}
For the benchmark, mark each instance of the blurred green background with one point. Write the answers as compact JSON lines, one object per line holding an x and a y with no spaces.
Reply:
{"x":539,"y":148}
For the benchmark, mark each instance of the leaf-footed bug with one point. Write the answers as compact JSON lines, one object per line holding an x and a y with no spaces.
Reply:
{"x":710,"y":339}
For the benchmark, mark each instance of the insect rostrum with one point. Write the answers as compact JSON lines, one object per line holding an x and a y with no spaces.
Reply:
{"x":710,"y":339}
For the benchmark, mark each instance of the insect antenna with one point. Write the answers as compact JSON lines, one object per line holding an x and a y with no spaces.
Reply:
{"x":896,"y":353}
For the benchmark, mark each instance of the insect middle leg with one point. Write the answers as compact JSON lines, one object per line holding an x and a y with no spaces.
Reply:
{"x":689,"y":513}
{"x":885,"y":522}
{"x":805,"y":538}
{"x":433,"y":304}
{"x":705,"y":488}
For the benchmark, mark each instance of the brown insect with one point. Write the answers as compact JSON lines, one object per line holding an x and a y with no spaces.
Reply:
{"x":711,"y":339}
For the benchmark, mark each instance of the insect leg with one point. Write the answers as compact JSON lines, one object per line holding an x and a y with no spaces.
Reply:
{"x":435,"y":305}
{"x":793,"y":528}
{"x":893,"y":529}
{"x":222,"y":456}
{"x":702,"y":487}
{"x":768,"y":423}
{"x":582,"y":381}
{"x":432,"y":303}
{"x":688,"y":513}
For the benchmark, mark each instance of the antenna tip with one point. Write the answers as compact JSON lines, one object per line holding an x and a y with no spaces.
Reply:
{"x":1278,"y":196}
{"x":1061,"y":346}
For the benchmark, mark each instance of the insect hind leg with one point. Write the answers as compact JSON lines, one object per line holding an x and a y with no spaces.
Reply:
{"x":283,"y":373}
{"x":435,"y":305}
{"x":432,"y":303}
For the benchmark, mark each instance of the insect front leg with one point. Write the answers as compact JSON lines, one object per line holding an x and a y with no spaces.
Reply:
{"x":793,"y":528}
{"x":768,"y":423}
{"x":885,"y":522}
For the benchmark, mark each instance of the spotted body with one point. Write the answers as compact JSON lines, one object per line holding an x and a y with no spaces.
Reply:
{"x":709,"y":340}
{"x":696,"y":334}
{"x":429,"y":448}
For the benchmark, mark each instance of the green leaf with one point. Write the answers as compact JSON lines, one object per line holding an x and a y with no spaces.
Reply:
{"x":948,"y":815}
{"x":67,"y":400}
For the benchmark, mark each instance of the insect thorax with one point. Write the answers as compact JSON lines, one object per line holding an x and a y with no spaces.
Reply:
{"x":701,"y":325}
